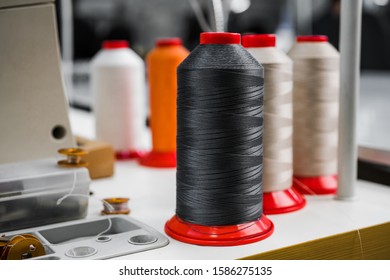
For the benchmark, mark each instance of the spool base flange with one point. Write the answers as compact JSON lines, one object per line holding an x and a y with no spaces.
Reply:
{"x":319,"y":185}
{"x":231,"y":235}
{"x":284,"y":201}
{"x":159,"y":159}
{"x":128,"y":155}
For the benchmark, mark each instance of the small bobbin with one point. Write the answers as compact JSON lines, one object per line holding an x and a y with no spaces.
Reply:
{"x":19,"y":247}
{"x":118,"y":206}
{"x":74,"y":157}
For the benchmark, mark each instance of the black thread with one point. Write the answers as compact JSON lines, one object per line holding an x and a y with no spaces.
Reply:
{"x":219,"y":136}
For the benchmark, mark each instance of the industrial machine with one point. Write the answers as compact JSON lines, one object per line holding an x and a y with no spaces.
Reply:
{"x":34,"y":121}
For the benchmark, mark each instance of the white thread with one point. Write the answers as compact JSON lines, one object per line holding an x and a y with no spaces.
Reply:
{"x":277,"y":159}
{"x":109,"y":206}
{"x":108,"y":228}
{"x":361,"y":243}
{"x":315,"y":108}
{"x":219,"y":20}
{"x":303,"y":186}
{"x":118,"y":87}
{"x":195,"y":5}
{"x":59,"y":201}
{"x":356,"y":228}
{"x":311,"y":192}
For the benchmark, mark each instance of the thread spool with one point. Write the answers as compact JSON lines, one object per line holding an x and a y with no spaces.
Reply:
{"x":315,"y":103}
{"x":219,"y":146}
{"x":278,"y":194}
{"x":162,"y":63}
{"x":118,"y":86}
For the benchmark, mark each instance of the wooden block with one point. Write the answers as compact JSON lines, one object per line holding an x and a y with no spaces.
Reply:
{"x":101,"y":157}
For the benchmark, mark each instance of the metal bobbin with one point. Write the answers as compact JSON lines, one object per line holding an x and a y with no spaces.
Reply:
{"x":118,"y":206}
{"x":19,"y":247}
{"x":74,"y":157}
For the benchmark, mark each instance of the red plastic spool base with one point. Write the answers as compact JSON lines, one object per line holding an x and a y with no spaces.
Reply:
{"x":219,"y":235}
{"x":159,"y":159}
{"x":285,"y":201}
{"x":128,"y":155}
{"x":316,"y":185}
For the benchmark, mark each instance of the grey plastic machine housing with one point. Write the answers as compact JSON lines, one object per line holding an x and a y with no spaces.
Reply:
{"x":29,"y":192}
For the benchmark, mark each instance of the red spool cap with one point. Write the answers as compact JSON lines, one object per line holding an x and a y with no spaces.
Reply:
{"x":115,"y":44}
{"x":259,"y":41}
{"x":316,"y":185}
{"x":159,"y":159}
{"x":219,"y":38}
{"x":312,"y":38}
{"x":284,"y":201}
{"x":169,"y":42}
{"x":219,"y":235}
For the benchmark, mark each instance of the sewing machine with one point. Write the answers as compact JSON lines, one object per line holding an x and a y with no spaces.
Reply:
{"x":34,"y":120}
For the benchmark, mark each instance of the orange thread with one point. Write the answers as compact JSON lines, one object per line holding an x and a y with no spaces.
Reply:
{"x":162,"y":63}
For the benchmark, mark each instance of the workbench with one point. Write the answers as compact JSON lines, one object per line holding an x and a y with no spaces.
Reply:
{"x":325,"y":229}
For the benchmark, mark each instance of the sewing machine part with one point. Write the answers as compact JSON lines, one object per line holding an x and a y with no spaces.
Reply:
{"x":34,"y":120}
{"x":20,"y":247}
{"x":74,"y":157}
{"x":30,"y":191}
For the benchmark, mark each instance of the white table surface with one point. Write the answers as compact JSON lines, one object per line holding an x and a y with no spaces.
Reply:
{"x":152,"y":195}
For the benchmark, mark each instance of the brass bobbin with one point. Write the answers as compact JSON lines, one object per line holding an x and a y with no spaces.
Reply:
{"x":19,"y":247}
{"x":119,"y":205}
{"x":73,"y":157}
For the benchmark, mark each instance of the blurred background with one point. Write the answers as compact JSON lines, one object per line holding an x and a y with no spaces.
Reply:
{"x":85,"y":24}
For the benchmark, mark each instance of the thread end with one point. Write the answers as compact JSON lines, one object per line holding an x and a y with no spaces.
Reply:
{"x":319,"y":185}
